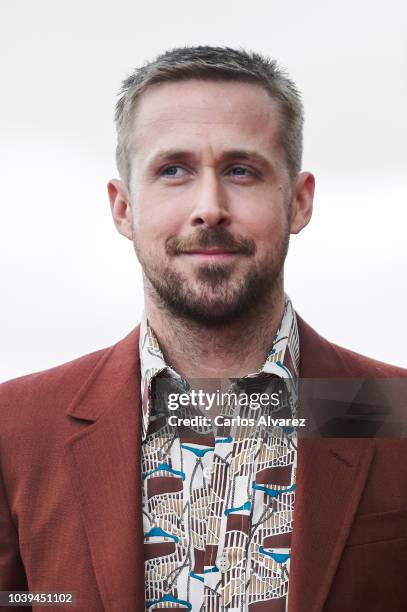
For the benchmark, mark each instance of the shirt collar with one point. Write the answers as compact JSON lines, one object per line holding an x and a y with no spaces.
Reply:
{"x":282,"y":360}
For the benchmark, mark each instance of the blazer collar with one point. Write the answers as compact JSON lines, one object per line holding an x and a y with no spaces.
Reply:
{"x":116,"y":374}
{"x":120,"y":364}
{"x":103,"y":457}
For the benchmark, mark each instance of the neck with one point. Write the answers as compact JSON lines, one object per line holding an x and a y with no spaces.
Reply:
{"x":232,"y":350}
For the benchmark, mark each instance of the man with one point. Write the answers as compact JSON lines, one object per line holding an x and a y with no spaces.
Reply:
{"x":99,"y":495}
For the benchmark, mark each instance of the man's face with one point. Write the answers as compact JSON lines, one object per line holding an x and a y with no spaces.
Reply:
{"x":209,"y":207}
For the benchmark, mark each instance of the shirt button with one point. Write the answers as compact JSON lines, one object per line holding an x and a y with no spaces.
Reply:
{"x":207,"y":472}
{"x":222,"y":562}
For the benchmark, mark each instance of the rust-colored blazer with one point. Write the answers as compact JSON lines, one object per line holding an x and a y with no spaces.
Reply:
{"x":70,"y":495}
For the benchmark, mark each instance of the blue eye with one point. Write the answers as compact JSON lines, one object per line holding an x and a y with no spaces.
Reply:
{"x":175,"y":171}
{"x":241,"y":171}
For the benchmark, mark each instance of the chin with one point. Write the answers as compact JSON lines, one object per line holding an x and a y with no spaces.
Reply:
{"x":216,"y":316}
{"x":207,"y":308}
{"x":216,"y":297}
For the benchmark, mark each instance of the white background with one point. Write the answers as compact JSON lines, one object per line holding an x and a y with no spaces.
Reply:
{"x":71,"y":284}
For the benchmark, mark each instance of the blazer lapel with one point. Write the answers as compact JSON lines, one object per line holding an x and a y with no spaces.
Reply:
{"x":331,"y":476}
{"x":104,"y":458}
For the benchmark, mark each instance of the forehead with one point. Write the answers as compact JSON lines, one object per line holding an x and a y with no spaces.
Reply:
{"x":198,"y":112}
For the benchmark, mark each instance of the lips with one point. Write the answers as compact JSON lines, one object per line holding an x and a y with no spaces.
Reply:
{"x":212,"y":243}
{"x":218,"y":251}
{"x":210,"y":255}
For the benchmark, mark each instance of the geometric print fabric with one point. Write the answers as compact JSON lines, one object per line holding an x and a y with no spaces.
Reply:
{"x":218,"y":501}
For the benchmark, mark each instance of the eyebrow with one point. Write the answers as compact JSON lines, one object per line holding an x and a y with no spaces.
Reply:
{"x":181,"y":154}
{"x":169,"y":155}
{"x":249,"y":155}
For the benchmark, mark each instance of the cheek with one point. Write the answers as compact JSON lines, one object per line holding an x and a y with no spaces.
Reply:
{"x":261,"y":209}
{"x":152,"y":229}
{"x":159,"y":214}
{"x":263,"y":226}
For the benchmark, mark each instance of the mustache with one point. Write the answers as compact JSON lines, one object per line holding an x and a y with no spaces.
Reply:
{"x":217,"y":237}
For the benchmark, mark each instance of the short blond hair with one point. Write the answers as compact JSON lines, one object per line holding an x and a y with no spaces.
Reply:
{"x":213,"y":64}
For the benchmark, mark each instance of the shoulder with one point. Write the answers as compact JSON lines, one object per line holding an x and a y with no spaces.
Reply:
{"x":36,"y":410}
{"x":321,"y":358}
{"x":56,"y":388}
{"x":364,"y":366}
{"x":41,"y":396}
{"x":53,"y":379}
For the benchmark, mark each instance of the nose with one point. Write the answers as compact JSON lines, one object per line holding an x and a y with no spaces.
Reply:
{"x":210,"y":202}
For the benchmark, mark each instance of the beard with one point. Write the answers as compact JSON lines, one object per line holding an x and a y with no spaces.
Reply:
{"x":211,"y":296}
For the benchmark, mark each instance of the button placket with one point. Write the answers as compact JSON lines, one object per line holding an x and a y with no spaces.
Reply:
{"x":223,"y":563}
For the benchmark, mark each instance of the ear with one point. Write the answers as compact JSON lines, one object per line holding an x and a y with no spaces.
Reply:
{"x":120,"y":207}
{"x":303,"y":197}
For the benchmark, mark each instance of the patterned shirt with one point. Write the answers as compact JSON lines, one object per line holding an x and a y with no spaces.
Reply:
{"x":218,"y":501}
